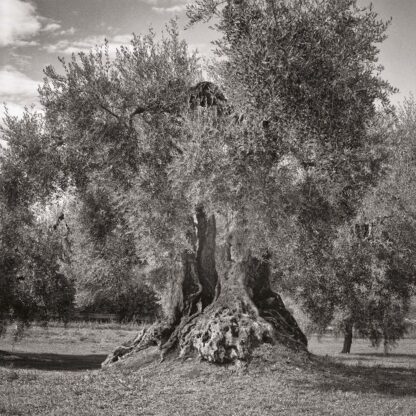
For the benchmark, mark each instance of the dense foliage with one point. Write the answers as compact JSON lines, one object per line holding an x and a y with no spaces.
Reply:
{"x":368,"y":278}
{"x":32,"y":252}
{"x":305,"y":76}
{"x":100,"y":133}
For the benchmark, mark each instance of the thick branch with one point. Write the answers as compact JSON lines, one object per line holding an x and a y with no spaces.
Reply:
{"x":110,"y":111}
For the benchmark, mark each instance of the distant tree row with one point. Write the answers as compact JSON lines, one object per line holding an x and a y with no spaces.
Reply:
{"x":370,"y":275}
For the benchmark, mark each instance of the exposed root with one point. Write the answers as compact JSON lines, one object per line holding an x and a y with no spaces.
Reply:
{"x":173,"y":340}
{"x":221,"y":333}
{"x":286,"y":328}
{"x":154,"y":335}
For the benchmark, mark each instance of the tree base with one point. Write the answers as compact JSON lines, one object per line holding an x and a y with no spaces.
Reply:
{"x":224,"y":326}
{"x":220,"y":334}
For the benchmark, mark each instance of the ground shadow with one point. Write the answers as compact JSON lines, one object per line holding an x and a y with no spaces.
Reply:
{"x":382,"y":355}
{"x":393,"y":381}
{"x":371,"y":357}
{"x":51,"y":362}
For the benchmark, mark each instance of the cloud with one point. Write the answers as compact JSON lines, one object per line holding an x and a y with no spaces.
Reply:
{"x":166,"y":3}
{"x":18,"y":22}
{"x":69,"y":31}
{"x":68,"y":47}
{"x":20,"y":60}
{"x":122,"y":39}
{"x":13,"y":82}
{"x":17,"y":90}
{"x":172,"y":9}
{"x":51,"y":27}
{"x":168,"y":6}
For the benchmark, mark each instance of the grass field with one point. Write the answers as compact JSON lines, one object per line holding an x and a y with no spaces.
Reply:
{"x":56,"y":371}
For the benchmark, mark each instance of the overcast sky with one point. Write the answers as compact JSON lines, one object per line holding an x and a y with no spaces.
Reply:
{"x":34,"y":33}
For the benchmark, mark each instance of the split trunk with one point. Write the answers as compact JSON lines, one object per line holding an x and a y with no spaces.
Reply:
{"x":224,"y":306}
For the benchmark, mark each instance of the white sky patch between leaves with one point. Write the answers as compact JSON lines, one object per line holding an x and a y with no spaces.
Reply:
{"x":203,"y":48}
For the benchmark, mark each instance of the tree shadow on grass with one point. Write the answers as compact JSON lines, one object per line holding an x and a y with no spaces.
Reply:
{"x":382,"y":355}
{"x":389,"y":381}
{"x":51,"y":362}
{"x":378,"y":358}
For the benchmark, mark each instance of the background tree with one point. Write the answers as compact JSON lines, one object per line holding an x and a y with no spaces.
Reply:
{"x":390,"y":213}
{"x":373,"y":289}
{"x":109,"y":276}
{"x":370,"y":272}
{"x":31,"y":251}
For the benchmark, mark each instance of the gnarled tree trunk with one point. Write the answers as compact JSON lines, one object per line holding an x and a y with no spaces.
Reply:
{"x":225,"y":307}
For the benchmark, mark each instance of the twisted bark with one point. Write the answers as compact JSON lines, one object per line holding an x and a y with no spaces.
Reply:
{"x":226,"y":308}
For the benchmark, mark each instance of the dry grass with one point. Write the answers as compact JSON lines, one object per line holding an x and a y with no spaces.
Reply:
{"x":55,"y":372}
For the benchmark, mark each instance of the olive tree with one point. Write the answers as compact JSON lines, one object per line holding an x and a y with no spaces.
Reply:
{"x":220,"y":185}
